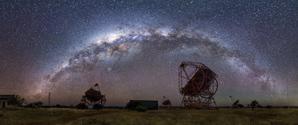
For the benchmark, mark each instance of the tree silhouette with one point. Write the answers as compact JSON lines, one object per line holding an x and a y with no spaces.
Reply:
{"x":254,"y":104}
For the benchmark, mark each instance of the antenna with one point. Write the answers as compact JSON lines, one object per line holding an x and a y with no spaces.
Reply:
{"x":197,"y":85}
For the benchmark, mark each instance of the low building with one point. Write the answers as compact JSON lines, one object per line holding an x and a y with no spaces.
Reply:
{"x":148,"y":104}
{"x":8,"y":100}
{"x":3,"y":103}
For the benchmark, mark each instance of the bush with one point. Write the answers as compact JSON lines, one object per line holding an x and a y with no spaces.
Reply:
{"x":240,"y":106}
{"x":34,"y":104}
{"x":82,"y":106}
{"x":97,"y":106}
{"x":141,"y":108}
{"x":254,"y":104}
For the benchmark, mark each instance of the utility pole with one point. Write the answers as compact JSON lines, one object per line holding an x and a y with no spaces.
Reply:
{"x":288,"y":101}
{"x":49,"y":98}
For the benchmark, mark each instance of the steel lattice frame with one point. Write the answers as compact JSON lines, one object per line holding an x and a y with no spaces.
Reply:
{"x":197,"y":92}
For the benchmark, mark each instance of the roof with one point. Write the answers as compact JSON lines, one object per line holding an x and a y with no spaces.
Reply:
{"x":7,"y":97}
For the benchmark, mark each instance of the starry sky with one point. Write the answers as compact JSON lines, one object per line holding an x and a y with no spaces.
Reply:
{"x":133,"y":48}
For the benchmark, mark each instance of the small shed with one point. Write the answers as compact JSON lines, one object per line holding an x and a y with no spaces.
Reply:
{"x":148,"y":104}
{"x":7,"y":100}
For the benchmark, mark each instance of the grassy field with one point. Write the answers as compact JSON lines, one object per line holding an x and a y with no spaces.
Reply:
{"x":55,"y":116}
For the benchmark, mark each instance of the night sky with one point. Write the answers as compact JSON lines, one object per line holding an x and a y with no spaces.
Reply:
{"x":133,"y":48}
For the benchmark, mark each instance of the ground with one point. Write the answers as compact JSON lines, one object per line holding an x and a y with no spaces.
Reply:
{"x":64,"y":116}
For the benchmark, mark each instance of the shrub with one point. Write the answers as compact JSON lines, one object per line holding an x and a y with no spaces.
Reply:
{"x":34,"y":104}
{"x":82,"y":106}
{"x":141,"y":108}
{"x":97,"y":106}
